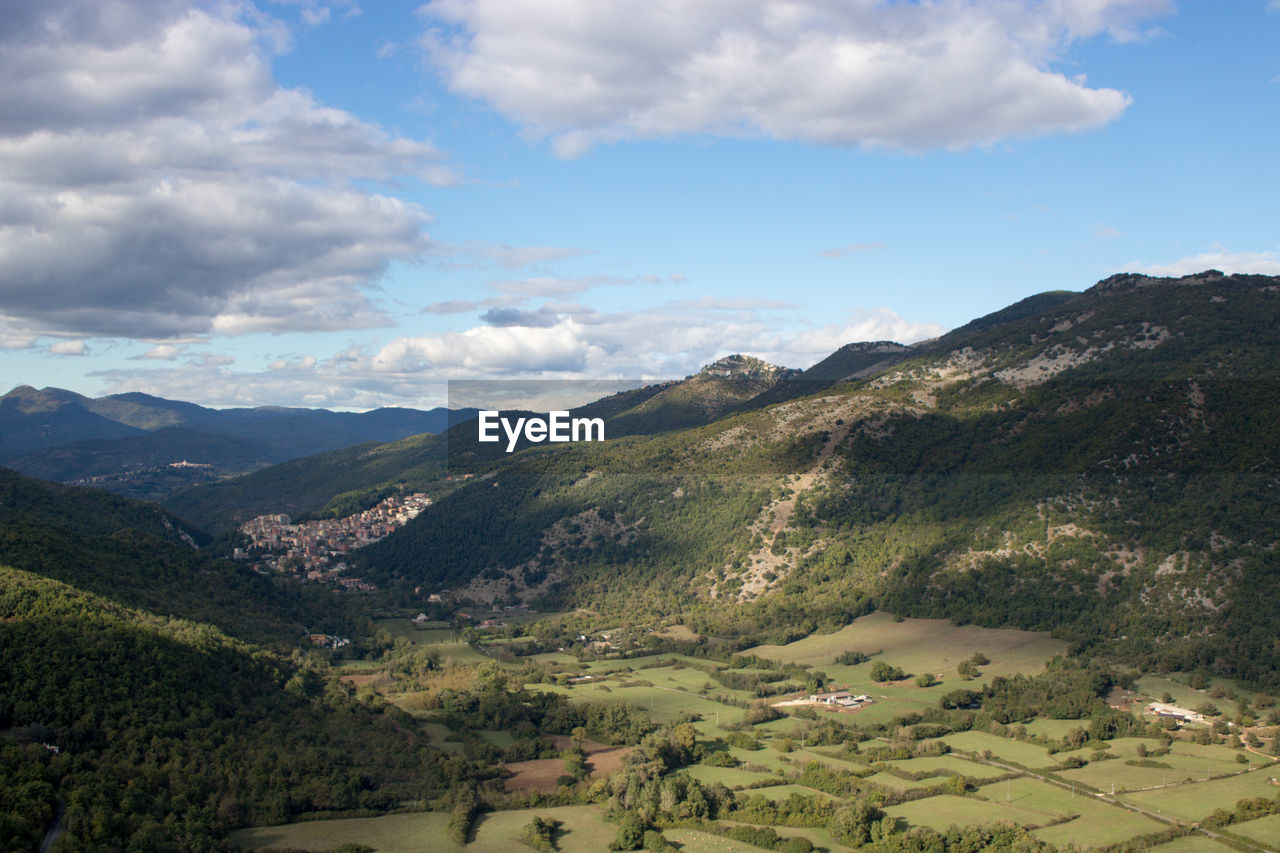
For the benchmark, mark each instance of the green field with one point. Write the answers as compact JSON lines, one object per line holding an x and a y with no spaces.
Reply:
{"x":1187,"y":761}
{"x":971,"y":769}
{"x":781,"y":792}
{"x":918,"y":646}
{"x":659,"y":700}
{"x":402,"y":833}
{"x":1264,"y":830}
{"x":1027,"y":754}
{"x":584,"y":830}
{"x":1194,"y":801}
{"x":888,"y":780}
{"x":693,"y":841}
{"x":1094,"y":823}
{"x":944,"y":810}
{"x":1191,"y":844}
{"x":730,"y":777}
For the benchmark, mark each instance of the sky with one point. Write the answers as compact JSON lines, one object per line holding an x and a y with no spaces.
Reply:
{"x":348,"y":204}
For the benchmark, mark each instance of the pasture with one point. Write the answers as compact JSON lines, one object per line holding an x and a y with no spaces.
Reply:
{"x":1195,"y":800}
{"x":1264,"y":830}
{"x":919,"y":646}
{"x":583,"y":830}
{"x":1093,"y":822}
{"x":1027,"y":754}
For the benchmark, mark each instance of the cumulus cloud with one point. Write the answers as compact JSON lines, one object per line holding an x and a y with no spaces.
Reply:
{"x":1255,"y":263}
{"x":870,"y":73}
{"x":156,"y":181}
{"x":162,"y":352}
{"x":560,"y":340}
{"x":76,"y":347}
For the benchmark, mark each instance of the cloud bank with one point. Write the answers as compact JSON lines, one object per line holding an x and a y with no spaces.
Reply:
{"x":155,"y":180}
{"x":869,"y":73}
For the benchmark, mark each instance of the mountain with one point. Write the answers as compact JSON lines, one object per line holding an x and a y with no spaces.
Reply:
{"x":1101,"y":464}
{"x":140,"y":556}
{"x":129,"y":443}
{"x":348,"y":480}
{"x":31,"y":419}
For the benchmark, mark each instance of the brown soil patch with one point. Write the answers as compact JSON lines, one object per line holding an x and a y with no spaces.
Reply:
{"x":607,"y":761}
{"x":541,"y":774}
{"x":537,"y":775}
{"x":358,"y":680}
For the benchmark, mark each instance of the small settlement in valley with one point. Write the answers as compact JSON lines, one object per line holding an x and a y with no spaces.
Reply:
{"x":313,"y":550}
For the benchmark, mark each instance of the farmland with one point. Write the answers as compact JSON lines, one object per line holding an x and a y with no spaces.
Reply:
{"x":802,"y":754}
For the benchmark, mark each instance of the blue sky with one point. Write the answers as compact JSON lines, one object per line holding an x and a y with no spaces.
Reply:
{"x":347,"y":204}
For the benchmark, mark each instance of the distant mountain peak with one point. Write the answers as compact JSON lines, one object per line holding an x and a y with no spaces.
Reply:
{"x":1132,"y":280}
{"x":738,"y":366}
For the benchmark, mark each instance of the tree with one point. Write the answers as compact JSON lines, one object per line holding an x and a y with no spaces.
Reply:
{"x":881,"y":671}
{"x":852,"y":822}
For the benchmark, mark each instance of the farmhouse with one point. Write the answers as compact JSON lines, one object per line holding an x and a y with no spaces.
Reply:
{"x":840,"y":698}
{"x":1164,"y":710}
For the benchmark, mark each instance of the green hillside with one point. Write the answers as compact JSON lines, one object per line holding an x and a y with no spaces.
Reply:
{"x":162,"y":734}
{"x":140,"y":556}
{"x":1103,"y":465}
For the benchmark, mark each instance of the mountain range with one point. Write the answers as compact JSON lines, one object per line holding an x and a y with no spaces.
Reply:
{"x":1102,"y":464}
{"x":129,"y":443}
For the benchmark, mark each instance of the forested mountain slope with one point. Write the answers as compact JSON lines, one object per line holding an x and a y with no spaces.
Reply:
{"x":162,"y":734}
{"x":129,"y":443}
{"x":355,"y":478}
{"x":138,"y":555}
{"x":1103,"y":464}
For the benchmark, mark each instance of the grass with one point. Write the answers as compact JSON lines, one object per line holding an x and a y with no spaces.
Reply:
{"x":1187,"y":761}
{"x":887,"y":780}
{"x":1194,"y":801}
{"x":781,"y":792}
{"x":659,"y":701}
{"x":1095,"y":823}
{"x":944,"y":810}
{"x":425,"y":832}
{"x":1027,"y":754}
{"x":918,"y":646}
{"x":1264,"y":830}
{"x":584,"y":830}
{"x":1191,"y":844}
{"x":970,"y":769}
{"x":695,"y":841}
{"x":730,"y":777}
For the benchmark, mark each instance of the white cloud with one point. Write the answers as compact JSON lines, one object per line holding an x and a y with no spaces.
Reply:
{"x":76,"y":347}
{"x":163,"y":352}
{"x":948,"y":74}
{"x":1255,"y":263}
{"x":155,"y":181}
{"x":560,"y":341}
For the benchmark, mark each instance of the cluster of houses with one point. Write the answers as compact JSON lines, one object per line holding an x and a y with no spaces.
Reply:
{"x":328,"y":641}
{"x":314,"y":549}
{"x":841,"y":699}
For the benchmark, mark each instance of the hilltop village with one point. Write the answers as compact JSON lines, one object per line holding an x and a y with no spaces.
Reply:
{"x":314,"y":550}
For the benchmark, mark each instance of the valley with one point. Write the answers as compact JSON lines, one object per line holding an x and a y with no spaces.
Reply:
{"x":1012,"y":588}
